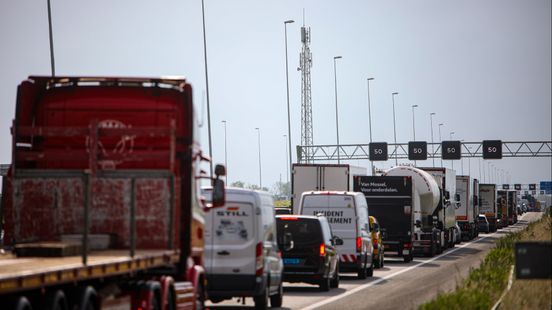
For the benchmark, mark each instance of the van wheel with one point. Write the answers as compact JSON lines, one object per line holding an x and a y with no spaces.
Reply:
{"x":382,"y":260}
{"x":324,"y":284}
{"x":370,"y":270}
{"x":361,"y":273}
{"x":277,"y":299}
{"x":334,"y":283}
{"x":56,"y":300}
{"x":408,"y":259}
{"x":22,"y":303}
{"x":261,"y":301}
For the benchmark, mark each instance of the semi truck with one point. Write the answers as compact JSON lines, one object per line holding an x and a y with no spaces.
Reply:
{"x":321,"y":177}
{"x":501,"y":208}
{"x":487,"y":204}
{"x":446,"y":180}
{"x":466,"y":213}
{"x":100,"y":204}
{"x":405,"y":201}
{"x":512,"y":207}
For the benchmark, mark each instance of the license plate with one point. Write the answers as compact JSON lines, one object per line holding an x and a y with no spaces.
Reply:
{"x":292,"y":261}
{"x":406,"y":252}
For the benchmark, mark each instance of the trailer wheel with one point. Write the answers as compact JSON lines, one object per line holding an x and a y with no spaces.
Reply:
{"x":56,"y":300}
{"x":88,"y":299}
{"x":22,"y":303}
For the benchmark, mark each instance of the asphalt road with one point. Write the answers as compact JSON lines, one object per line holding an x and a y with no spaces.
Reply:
{"x":396,"y":286}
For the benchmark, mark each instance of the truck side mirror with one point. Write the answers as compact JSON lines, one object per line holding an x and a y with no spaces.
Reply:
{"x":376,"y":227}
{"x":457,"y":197}
{"x":447,"y":195}
{"x":383,"y":233}
{"x":219,"y":193}
{"x":418,"y":223}
{"x":288,"y":242}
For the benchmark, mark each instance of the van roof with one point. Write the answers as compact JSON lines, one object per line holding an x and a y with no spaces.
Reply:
{"x":233,"y":193}
{"x":330,"y":193}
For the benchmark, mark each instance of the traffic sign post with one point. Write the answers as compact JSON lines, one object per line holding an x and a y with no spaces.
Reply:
{"x":378,"y":151}
{"x":492,"y":149}
{"x":417,"y":150}
{"x":451,"y":150}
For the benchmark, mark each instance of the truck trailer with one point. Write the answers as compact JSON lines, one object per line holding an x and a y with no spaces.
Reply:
{"x":466,"y":213}
{"x":487,"y":204}
{"x":501,"y":208}
{"x":101,"y":204}
{"x":321,"y":177}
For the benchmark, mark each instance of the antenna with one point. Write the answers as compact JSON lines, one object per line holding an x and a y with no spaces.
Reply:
{"x":306,"y":99}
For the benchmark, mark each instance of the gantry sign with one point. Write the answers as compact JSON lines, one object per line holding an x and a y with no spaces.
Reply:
{"x":421,"y":150}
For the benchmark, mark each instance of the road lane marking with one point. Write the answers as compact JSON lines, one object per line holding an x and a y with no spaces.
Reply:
{"x":361,"y":287}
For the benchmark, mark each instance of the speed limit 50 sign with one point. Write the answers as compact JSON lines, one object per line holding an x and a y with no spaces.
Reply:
{"x":417,"y":150}
{"x":451,"y":150}
{"x":492,"y":149}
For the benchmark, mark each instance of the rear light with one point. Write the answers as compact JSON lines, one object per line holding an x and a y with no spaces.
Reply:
{"x":259,"y":261}
{"x":408,"y":245}
{"x":288,"y":218}
{"x":376,"y":243}
{"x":322,"y":249}
{"x":359,"y":244}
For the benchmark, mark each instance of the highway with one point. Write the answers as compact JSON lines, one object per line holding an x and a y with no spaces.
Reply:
{"x":396,"y":286}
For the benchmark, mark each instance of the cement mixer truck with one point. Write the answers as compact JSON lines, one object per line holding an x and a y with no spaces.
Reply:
{"x":405,"y":201}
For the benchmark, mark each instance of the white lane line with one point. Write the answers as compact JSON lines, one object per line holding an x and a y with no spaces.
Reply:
{"x":359,"y":288}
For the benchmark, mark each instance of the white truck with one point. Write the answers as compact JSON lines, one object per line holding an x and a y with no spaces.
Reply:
{"x":487,"y":204}
{"x":321,"y":177}
{"x":466,"y":214}
{"x":446,"y":180}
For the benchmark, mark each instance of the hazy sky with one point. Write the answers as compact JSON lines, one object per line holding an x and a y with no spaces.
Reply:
{"x":483,"y":66}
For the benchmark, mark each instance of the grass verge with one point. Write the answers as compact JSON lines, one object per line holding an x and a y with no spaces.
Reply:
{"x":483,"y":287}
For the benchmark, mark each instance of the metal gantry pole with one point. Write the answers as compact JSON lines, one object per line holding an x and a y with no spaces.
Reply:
{"x":52,"y":62}
{"x":441,"y":141}
{"x":287,"y":93}
{"x":432,"y":147}
{"x":370,"y":120}
{"x":452,"y":160}
{"x":394,"y":127}
{"x":336,"y":111}
{"x":287,"y":167}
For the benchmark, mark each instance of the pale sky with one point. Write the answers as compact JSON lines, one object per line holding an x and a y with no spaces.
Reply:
{"x":484,"y":67}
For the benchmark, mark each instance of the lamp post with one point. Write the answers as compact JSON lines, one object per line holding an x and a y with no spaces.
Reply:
{"x":461,"y":159}
{"x":287,"y":93}
{"x":259,"y":144}
{"x":414,"y":122}
{"x":370,"y":119}
{"x":225,"y":151}
{"x":432,"y":147}
{"x":287,"y":167}
{"x":452,"y":161}
{"x":441,"y":141}
{"x":394,"y":127}
{"x":336,"y":112}
{"x":207,"y":89}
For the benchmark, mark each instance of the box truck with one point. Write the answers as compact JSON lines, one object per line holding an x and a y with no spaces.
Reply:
{"x":487,"y":204}
{"x":100,"y":204}
{"x":501,"y":208}
{"x":321,"y":177}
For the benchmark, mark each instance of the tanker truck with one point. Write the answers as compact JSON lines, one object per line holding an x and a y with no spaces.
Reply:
{"x":450,"y":201}
{"x":422,"y":206}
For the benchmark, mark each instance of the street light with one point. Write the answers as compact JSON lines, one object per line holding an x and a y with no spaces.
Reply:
{"x":452,"y":161}
{"x":336,"y":113}
{"x":370,"y":119}
{"x":287,"y":92}
{"x":414,"y":121}
{"x":441,"y":141}
{"x":259,"y":144}
{"x":207,"y":90}
{"x":225,"y":152}
{"x":287,"y":167}
{"x":394,"y":126}
{"x":432,"y":146}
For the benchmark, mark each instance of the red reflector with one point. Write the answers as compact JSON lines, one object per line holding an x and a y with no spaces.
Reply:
{"x":375,"y":243}
{"x":259,"y":261}
{"x":359,"y":244}
{"x":322,"y":249}
{"x":288,"y":218}
{"x":233,"y":208}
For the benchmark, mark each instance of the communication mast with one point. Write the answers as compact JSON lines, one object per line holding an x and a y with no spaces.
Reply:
{"x":306,"y":99}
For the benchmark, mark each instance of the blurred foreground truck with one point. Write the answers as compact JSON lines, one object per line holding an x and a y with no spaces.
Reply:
{"x":100,"y":205}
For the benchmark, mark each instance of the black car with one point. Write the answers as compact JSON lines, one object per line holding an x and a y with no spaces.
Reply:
{"x":308,"y":250}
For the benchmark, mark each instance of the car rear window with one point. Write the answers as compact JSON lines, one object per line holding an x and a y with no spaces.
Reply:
{"x":302,"y":231}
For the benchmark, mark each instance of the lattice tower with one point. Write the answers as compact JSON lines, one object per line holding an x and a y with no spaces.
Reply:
{"x":306,"y":99}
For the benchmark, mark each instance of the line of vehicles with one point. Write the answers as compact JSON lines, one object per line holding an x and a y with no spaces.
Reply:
{"x":103,"y":208}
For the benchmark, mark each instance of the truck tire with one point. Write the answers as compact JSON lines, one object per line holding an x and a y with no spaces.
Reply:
{"x":88,"y":299}
{"x":361,"y":272}
{"x":56,"y":300}
{"x":334,"y":282}
{"x":324,"y":284}
{"x":199,"y":297}
{"x":408,"y":258}
{"x":277,"y":299}
{"x":22,"y":303}
{"x":261,"y":301}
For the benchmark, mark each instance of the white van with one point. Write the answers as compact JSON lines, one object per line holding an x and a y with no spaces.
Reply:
{"x":347,"y":213}
{"x":241,"y":251}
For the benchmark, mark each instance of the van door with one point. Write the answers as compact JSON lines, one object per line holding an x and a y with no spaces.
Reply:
{"x":341,"y":215}
{"x":230,"y":243}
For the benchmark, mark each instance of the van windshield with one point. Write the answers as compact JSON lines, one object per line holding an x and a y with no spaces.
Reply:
{"x":302,"y":231}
